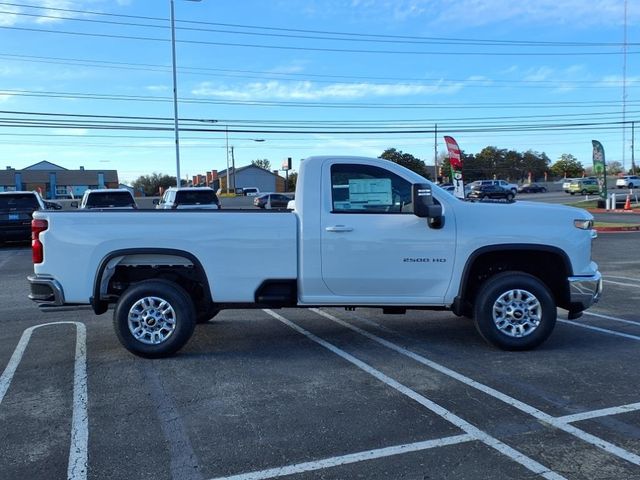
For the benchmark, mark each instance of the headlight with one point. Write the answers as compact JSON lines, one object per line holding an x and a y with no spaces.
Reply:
{"x":583,"y":224}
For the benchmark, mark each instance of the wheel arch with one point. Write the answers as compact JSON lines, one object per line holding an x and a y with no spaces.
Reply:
{"x":548,"y":263}
{"x":153,"y":257}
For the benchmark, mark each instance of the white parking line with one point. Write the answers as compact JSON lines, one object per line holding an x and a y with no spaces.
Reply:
{"x":603,"y":412}
{"x":478,"y":434}
{"x":351,"y":458}
{"x":615,"y":319}
{"x":601,"y":330}
{"x":622,"y":284}
{"x":534,"y":412}
{"x":623,"y":278}
{"x":77,"y":466}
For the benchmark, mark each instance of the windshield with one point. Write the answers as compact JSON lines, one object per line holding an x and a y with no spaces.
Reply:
{"x":109,"y":199}
{"x":196,"y":197}
{"x":19,"y":201}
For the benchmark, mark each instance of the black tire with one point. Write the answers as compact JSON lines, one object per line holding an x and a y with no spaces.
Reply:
{"x":204,"y":317}
{"x":543,"y":190}
{"x":572,"y":193}
{"x":509,"y":197}
{"x":160,"y":333}
{"x":515,"y":311}
{"x":583,"y":192}
{"x":631,"y":185}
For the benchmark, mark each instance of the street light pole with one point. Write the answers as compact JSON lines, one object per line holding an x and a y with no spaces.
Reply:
{"x":175,"y":94}
{"x":175,"y":89}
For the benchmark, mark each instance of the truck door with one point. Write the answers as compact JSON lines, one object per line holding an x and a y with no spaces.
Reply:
{"x":372,"y":243}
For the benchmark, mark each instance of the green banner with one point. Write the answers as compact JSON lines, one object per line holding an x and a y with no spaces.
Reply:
{"x":600,"y":168}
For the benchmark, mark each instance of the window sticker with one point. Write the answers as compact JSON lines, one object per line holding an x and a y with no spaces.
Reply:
{"x":370,"y":192}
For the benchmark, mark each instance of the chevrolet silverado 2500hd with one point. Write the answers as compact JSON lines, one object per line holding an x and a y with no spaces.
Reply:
{"x":364,"y":232}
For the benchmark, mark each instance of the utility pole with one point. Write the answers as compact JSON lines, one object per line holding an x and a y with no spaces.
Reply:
{"x":233,"y":167}
{"x":633,"y":158}
{"x":226,"y":131}
{"x":435,"y":154}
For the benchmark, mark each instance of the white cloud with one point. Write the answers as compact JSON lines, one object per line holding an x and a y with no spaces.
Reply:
{"x":50,"y":11}
{"x":309,"y":91}
{"x":76,"y":132}
{"x":4,"y":97}
{"x":157,"y":88}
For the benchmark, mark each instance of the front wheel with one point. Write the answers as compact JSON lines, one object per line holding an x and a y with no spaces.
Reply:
{"x":154,"y":318}
{"x":509,"y":197}
{"x":515,"y":311}
{"x":583,"y":192}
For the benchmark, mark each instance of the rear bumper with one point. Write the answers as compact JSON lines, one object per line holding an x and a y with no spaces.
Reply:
{"x":45,"y":290}
{"x":584,"y":291}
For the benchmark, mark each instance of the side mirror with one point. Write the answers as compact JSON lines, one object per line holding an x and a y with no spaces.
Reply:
{"x":424,"y":206}
{"x":156,"y":201}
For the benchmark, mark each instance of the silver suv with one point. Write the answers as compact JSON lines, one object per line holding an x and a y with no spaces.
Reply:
{"x":189,"y":197}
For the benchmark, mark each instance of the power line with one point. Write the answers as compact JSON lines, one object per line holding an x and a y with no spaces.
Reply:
{"x":358,"y":36}
{"x":315,"y":49}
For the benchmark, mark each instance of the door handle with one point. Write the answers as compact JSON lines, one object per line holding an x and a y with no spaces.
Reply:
{"x":339,"y":228}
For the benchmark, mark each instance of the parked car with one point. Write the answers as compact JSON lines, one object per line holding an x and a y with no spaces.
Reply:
{"x":584,"y":186}
{"x":566,"y":183}
{"x":189,"y":197}
{"x":628,"y":181}
{"x":108,"y":198}
{"x":16,"y":209}
{"x":532,"y":188}
{"x":251,"y":191}
{"x":271,"y":200}
{"x":502,"y":183}
{"x":452,"y":189}
{"x":490,"y":191}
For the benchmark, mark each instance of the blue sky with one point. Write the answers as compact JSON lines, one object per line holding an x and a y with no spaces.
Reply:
{"x":88,"y":82}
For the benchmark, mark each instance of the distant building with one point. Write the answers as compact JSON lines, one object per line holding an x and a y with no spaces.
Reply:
{"x":249,"y":176}
{"x":54,"y":181}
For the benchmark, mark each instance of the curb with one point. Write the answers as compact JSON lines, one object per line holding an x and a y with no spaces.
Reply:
{"x":602,"y":210}
{"x":630,"y":228}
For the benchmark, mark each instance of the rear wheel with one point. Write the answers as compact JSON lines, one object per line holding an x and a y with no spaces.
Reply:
{"x":515,"y":311}
{"x":583,"y":192}
{"x":154,"y":318}
{"x":509,"y":197}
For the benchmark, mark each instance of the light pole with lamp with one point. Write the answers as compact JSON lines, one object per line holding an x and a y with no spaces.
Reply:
{"x":233,"y":161}
{"x":175,"y":90}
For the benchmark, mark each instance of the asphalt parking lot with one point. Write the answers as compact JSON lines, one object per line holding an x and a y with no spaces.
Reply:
{"x":323,"y":394}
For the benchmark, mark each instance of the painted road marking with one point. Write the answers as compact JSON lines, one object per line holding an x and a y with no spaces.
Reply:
{"x":351,"y":458}
{"x":623,"y":278}
{"x":534,"y":412}
{"x":601,"y":330}
{"x":603,"y":412}
{"x":623,"y":284}
{"x":77,"y":466}
{"x":615,"y":319}
{"x":470,"y":429}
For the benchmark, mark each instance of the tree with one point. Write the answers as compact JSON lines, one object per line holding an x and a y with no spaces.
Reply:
{"x":264,"y":163}
{"x":614,"y":168}
{"x":151,"y":184}
{"x":406,"y":160}
{"x":293,"y":180}
{"x":567,"y":166}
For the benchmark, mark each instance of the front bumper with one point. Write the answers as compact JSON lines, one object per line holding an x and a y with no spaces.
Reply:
{"x":584,"y":291}
{"x":45,"y":290}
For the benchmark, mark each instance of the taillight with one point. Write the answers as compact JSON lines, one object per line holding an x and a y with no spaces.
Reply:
{"x":37,"y":249}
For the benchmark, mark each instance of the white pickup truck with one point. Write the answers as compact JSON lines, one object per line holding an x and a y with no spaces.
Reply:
{"x":365,"y":232}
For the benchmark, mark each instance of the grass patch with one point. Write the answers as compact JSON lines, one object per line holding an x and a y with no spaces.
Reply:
{"x":615,"y":224}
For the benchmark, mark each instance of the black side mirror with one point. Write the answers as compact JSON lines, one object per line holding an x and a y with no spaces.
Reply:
{"x":424,"y":206}
{"x":156,"y":201}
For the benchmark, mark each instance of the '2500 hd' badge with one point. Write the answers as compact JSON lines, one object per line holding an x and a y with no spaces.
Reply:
{"x":423,"y":260}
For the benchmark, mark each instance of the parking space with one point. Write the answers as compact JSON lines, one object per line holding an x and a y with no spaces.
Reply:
{"x":323,"y":393}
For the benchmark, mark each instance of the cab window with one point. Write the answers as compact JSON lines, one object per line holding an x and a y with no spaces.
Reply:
{"x":368,"y":189}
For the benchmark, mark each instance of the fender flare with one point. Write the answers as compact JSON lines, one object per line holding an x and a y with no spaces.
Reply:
{"x":100,"y":306}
